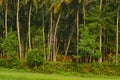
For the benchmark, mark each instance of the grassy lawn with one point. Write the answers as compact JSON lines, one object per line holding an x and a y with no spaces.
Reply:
{"x":14,"y":75}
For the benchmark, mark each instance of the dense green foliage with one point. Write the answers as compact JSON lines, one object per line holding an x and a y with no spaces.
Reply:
{"x":10,"y":44}
{"x":45,"y":35}
{"x":34,"y":58}
{"x":59,"y":68}
{"x":105,"y":69}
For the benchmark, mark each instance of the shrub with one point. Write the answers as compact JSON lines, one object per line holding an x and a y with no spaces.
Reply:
{"x":12,"y":61}
{"x":10,"y":43}
{"x":2,"y":62}
{"x":51,"y":67}
{"x":58,"y":67}
{"x":34,"y":58}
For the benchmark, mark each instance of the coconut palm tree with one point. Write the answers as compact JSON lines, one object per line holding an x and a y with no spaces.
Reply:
{"x":18,"y":28}
{"x":54,"y":8}
{"x":31,"y":3}
{"x":84,"y":2}
{"x":117,"y":29}
{"x":100,"y":34}
{"x":77,"y":18}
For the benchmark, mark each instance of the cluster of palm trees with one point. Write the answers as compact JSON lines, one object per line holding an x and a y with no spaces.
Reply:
{"x":54,"y":14}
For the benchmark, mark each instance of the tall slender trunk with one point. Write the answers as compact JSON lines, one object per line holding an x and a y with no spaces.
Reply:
{"x":18,"y":30}
{"x":77,"y":32}
{"x":69,"y":41}
{"x":50,"y":36}
{"x":29,"y":21}
{"x":55,"y":43}
{"x":3,"y":52}
{"x":43,"y":33}
{"x":6,"y":11}
{"x":26,"y":45}
{"x":84,"y":15}
{"x":100,"y":45}
{"x":5,"y":34}
{"x":58,"y":43}
{"x":117,"y":32}
{"x":100,"y":34}
{"x":48,"y":56}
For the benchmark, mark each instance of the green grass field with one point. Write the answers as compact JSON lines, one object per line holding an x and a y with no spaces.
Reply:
{"x":15,"y":75}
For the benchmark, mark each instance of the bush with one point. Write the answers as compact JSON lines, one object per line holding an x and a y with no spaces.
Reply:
{"x":34,"y":58}
{"x":9,"y":45}
{"x":22,"y":65}
{"x":105,"y":69}
{"x":12,"y":62}
{"x":50,"y":67}
{"x":58,"y":67}
{"x":2,"y":62}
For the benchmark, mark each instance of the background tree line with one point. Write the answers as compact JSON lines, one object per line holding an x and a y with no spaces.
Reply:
{"x":83,"y":31}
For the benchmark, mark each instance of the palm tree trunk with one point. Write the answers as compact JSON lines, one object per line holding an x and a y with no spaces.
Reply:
{"x":77,"y":33}
{"x":117,"y":32}
{"x":50,"y":36}
{"x":58,"y":43}
{"x":48,"y":56}
{"x":18,"y":31}
{"x":43,"y":34}
{"x":6,"y":11}
{"x":84,"y":15}
{"x":29,"y":21}
{"x":100,"y":46}
{"x":100,"y":34}
{"x":55,"y":43}
{"x":69,"y":41}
